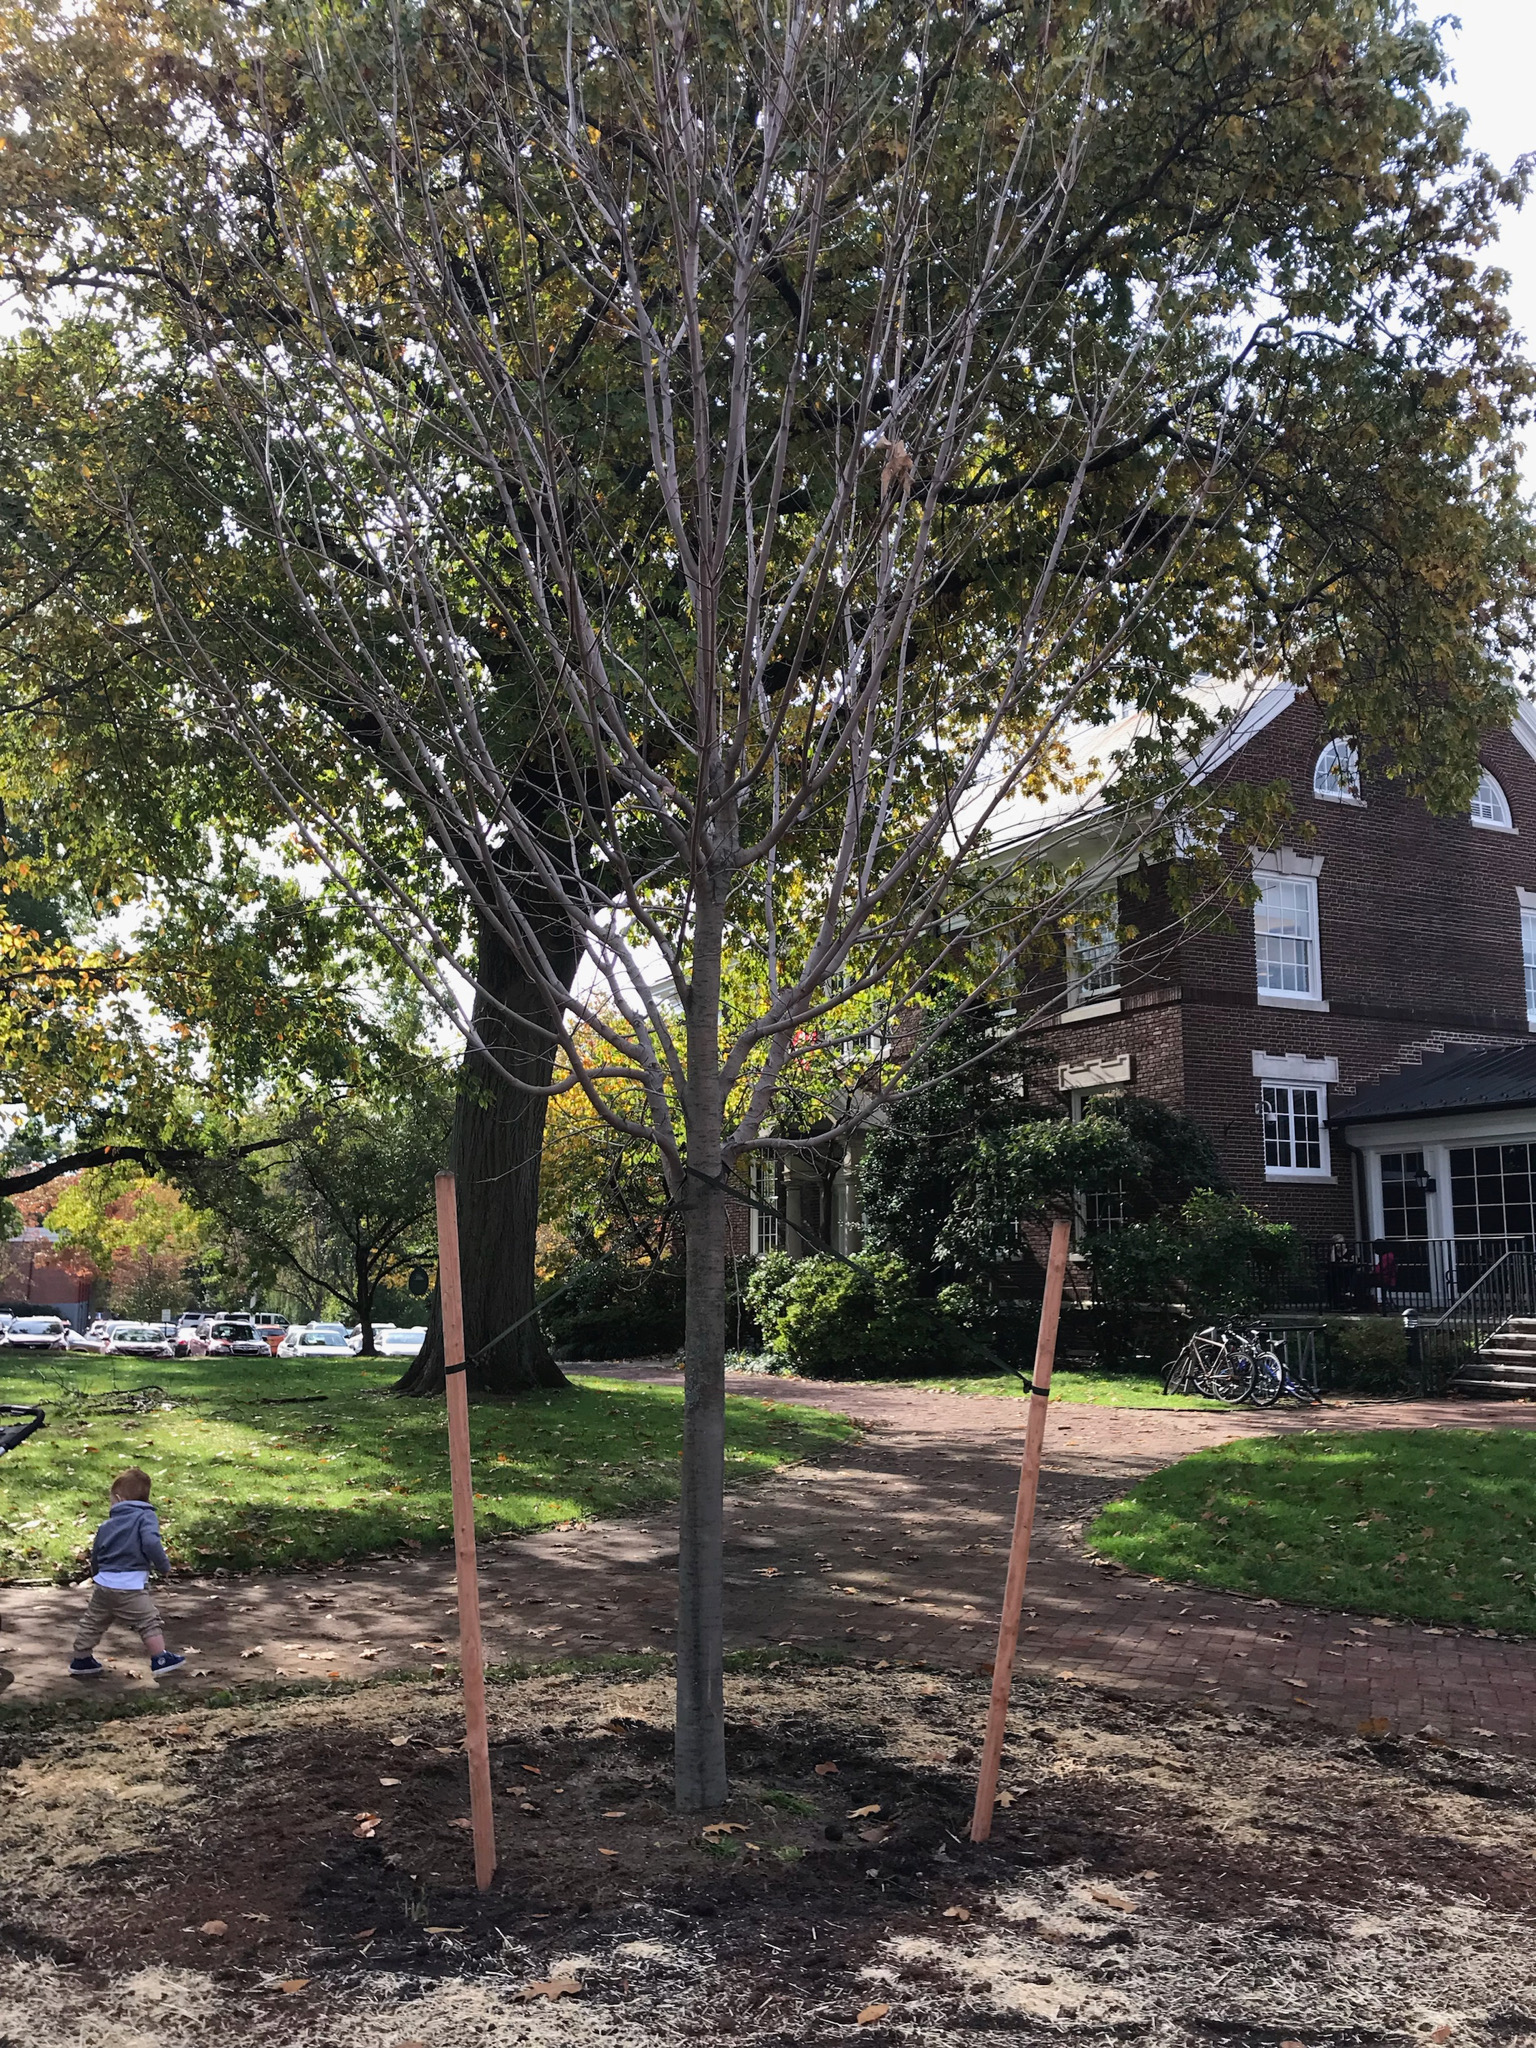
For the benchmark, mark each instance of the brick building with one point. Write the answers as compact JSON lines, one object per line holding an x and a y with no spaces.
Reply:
{"x":1385,"y":942}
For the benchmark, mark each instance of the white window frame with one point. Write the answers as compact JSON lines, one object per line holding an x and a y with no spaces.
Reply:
{"x":1279,"y":1121}
{"x":1527,"y":898}
{"x":1093,"y":964}
{"x":768,"y":1233}
{"x":1301,"y":889}
{"x":1490,"y":793}
{"x":1336,"y":774}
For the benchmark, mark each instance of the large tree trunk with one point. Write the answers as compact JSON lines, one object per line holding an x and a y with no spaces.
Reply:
{"x":497,"y":1140}
{"x":699,"y":1749}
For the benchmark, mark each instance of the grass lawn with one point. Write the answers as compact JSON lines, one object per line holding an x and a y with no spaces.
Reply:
{"x":1433,"y":1525}
{"x":1068,"y":1383}
{"x":243,"y":1482}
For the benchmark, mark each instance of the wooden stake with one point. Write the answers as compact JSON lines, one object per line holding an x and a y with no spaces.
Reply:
{"x":1023,"y":1528}
{"x":471,"y":1645}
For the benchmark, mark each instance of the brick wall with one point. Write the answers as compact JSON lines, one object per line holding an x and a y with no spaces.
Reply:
{"x":1419,"y":931}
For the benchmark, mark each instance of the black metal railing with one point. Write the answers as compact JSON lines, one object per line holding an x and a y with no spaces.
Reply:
{"x":1439,"y":1343}
{"x":1381,"y":1276}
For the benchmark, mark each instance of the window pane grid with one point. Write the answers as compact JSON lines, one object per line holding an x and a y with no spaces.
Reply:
{"x":1284,"y":936}
{"x":1293,"y":1128}
{"x":1528,"y":954}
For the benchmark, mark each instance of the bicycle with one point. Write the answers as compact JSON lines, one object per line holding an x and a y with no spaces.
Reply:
{"x":1274,"y":1381}
{"x":1213,"y":1363}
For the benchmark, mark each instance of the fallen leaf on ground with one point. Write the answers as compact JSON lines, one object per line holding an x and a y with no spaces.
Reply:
{"x":398,"y":1741}
{"x":607,"y":1852}
{"x":292,"y":1984}
{"x":1005,"y":1799}
{"x":214,"y":1927}
{"x":445,"y":1930}
{"x":255,"y":1916}
{"x":1108,"y":1896}
{"x":461,"y":1823}
{"x":256,"y":1652}
{"x":717,"y":1828}
{"x":1378,"y":1724}
{"x":873,"y":1834}
{"x":616,"y":1813}
{"x":862,"y":1812}
{"x":389,"y":1781}
{"x":366,"y":1934}
{"x":533,"y":1770}
{"x":825,"y":1770}
{"x":957,"y":1912}
{"x":550,"y":1987}
{"x":870,"y":2014}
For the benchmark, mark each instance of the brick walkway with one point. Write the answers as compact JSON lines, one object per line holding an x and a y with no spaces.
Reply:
{"x":895,"y":1551}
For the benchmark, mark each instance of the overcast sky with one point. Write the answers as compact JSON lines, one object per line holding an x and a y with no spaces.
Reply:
{"x":1494,"y":54}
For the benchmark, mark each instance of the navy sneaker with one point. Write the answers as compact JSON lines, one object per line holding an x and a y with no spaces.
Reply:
{"x":85,"y":1667}
{"x":162,"y":1666}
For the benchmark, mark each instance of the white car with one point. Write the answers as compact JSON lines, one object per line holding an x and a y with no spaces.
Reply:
{"x":138,"y":1340}
{"x":398,"y":1343}
{"x":355,"y":1335}
{"x":317,"y":1340}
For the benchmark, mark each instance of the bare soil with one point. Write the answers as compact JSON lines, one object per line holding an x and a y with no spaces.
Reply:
{"x":297,"y":1872}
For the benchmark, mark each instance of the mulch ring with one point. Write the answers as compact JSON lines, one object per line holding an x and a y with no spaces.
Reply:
{"x":300,"y":1871}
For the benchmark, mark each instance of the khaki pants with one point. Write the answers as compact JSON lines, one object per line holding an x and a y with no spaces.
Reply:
{"x":108,"y":1604}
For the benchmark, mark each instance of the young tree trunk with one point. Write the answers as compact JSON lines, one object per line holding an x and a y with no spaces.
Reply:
{"x":699,"y":1751}
{"x":498,"y":1136}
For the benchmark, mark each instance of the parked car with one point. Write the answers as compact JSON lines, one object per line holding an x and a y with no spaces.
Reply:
{"x":37,"y":1333}
{"x":355,"y":1335}
{"x":315,"y":1340}
{"x":138,"y":1340}
{"x":397,"y":1343}
{"x":93,"y":1339}
{"x":227,"y":1338}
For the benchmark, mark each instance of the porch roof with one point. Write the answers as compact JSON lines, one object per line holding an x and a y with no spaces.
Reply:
{"x":1491,"y":1077}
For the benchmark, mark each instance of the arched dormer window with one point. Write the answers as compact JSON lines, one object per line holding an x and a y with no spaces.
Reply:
{"x":1336,"y":778}
{"x":1490,"y":807}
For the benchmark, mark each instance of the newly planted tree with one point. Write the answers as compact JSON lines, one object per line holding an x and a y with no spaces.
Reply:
{"x":716,"y":462}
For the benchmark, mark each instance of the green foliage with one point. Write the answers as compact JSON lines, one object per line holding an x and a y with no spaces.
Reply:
{"x":614,"y":1308}
{"x":1433,"y":1524}
{"x":245,"y":1485}
{"x":860,"y":1319}
{"x":1211,"y":1255}
{"x":1369,"y":1354}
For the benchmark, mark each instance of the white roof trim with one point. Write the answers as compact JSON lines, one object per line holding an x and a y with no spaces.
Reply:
{"x":1261,"y":710}
{"x":1523,"y":726}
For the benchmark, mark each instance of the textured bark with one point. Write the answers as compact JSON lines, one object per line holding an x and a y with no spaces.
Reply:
{"x":498,"y":1136}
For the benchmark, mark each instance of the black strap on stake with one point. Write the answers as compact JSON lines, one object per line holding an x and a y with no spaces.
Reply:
{"x":491,"y":1343}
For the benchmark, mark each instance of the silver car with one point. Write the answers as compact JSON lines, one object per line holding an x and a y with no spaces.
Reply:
{"x":139,"y":1340}
{"x":37,"y":1333}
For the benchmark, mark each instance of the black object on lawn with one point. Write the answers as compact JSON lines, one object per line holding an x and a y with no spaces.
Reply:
{"x":14,"y":1433}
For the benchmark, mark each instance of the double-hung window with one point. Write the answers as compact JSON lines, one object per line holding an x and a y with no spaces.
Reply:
{"x":1093,"y":951}
{"x":1285,"y":938}
{"x":1295,"y":1128}
{"x":768,"y":1211}
{"x":1528,"y":954}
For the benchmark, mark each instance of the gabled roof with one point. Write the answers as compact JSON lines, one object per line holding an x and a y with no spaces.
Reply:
{"x":1444,"y":1083}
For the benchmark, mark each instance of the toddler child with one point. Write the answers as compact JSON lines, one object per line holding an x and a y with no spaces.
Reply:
{"x":126,"y":1550}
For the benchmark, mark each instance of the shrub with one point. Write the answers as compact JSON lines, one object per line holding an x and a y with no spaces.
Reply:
{"x":1369,"y":1354}
{"x":859,"y":1319}
{"x":1213,"y":1255}
{"x":612,"y":1309}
